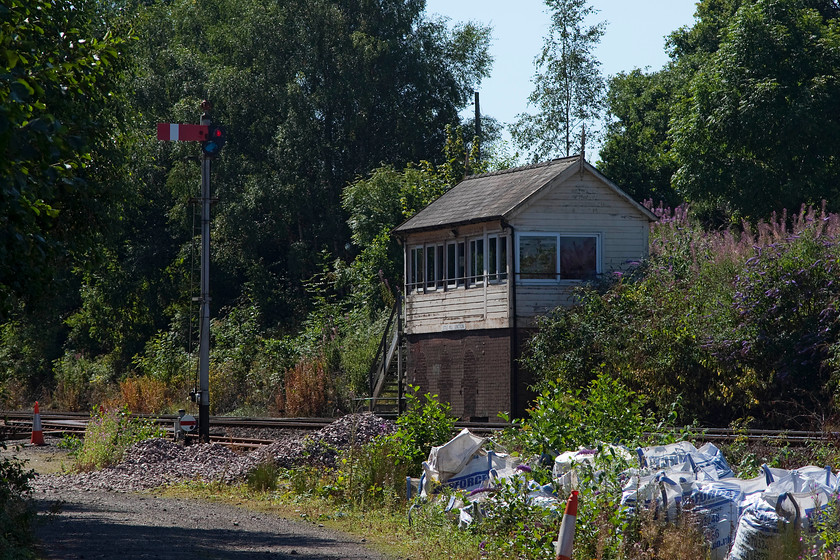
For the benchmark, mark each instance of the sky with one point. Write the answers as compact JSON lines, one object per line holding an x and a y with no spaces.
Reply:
{"x":634,"y":38}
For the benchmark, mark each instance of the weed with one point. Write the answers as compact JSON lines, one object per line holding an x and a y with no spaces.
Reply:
{"x":309,"y":390}
{"x":368,"y":476}
{"x":305,"y":481}
{"x":144,"y":395}
{"x":71,"y":443}
{"x":108,"y":434}
{"x":823,"y":542}
{"x":513,"y":526}
{"x":264,"y":477}
{"x":427,"y":422}
{"x":16,"y":512}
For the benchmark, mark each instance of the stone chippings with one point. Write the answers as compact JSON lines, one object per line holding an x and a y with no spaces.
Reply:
{"x":157,"y":462}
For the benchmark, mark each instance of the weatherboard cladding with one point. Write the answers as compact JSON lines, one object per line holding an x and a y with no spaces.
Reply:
{"x":485,"y":197}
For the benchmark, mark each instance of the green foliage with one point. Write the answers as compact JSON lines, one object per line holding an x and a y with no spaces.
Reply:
{"x":164,"y":358}
{"x":789,"y":305}
{"x":568,"y":87}
{"x":301,"y":130}
{"x":427,"y":422}
{"x":109,"y":434}
{"x":17,"y":513}
{"x":80,"y":380}
{"x":313,"y":94}
{"x":763,"y":103}
{"x":26,"y":354}
{"x":305,"y":481}
{"x":606,"y":411}
{"x":514,"y":526}
{"x":368,"y":476}
{"x":742,"y":119}
{"x":58,"y":73}
{"x":358,"y":346}
{"x":263,"y":478}
{"x":71,"y":443}
{"x":726,"y":321}
{"x":824,"y":542}
{"x":637,"y":148}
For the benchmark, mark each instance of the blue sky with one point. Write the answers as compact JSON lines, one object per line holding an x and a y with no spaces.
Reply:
{"x":634,"y":38}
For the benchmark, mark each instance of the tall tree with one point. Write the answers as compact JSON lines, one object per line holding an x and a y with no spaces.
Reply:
{"x":60,"y":63}
{"x":568,"y":86}
{"x":637,"y":150}
{"x":759,"y":130}
{"x":313,"y":94}
{"x":743,"y":120}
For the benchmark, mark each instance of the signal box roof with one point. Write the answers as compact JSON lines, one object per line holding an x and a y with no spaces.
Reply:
{"x":498,"y":195}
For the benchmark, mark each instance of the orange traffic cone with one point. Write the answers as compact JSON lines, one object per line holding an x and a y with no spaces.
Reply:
{"x":567,"y":529}
{"x":37,"y":433}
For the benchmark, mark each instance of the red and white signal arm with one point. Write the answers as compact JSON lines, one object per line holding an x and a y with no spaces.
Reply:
{"x":188,"y":422}
{"x":182,"y":132}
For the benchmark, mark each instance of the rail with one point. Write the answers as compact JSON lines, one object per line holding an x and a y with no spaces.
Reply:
{"x":20,"y":423}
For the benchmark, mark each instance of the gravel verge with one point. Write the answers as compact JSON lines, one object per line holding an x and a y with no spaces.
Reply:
{"x":100,"y":515}
{"x":158,"y":462}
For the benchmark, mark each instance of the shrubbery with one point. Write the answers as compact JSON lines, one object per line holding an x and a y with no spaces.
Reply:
{"x":108,"y":435}
{"x":741,"y":322}
{"x":17,"y":514}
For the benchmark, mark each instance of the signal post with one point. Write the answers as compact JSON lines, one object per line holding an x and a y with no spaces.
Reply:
{"x":212,"y":139}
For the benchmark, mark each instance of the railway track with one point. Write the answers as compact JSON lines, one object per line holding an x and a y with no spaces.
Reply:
{"x":18,"y":425}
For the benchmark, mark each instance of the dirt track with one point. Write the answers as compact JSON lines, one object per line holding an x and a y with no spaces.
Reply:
{"x":92,"y":524}
{"x":127,"y":526}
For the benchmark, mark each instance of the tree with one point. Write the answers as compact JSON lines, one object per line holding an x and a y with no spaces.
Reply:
{"x":758,"y":130}
{"x":568,"y":87}
{"x":380,"y":202}
{"x":637,"y":150}
{"x":313,"y":95}
{"x":60,"y":63}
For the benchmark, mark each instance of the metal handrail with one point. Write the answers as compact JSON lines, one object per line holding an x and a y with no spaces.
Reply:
{"x":386,"y":352}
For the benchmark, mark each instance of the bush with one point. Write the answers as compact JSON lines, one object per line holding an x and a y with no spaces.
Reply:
{"x":425,"y":423}
{"x":81,"y":381}
{"x":108,"y":434}
{"x":164,"y":359}
{"x":736,"y":322}
{"x":16,"y":511}
{"x":606,"y":411}
{"x":514,"y":526}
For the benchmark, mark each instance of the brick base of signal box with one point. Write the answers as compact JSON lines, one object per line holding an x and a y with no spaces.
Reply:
{"x":472,"y":370}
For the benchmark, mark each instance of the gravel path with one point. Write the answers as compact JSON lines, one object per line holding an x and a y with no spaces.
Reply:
{"x":100,"y":515}
{"x":103,"y":524}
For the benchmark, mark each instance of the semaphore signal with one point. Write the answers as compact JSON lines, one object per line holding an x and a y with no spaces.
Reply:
{"x":212,"y":138}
